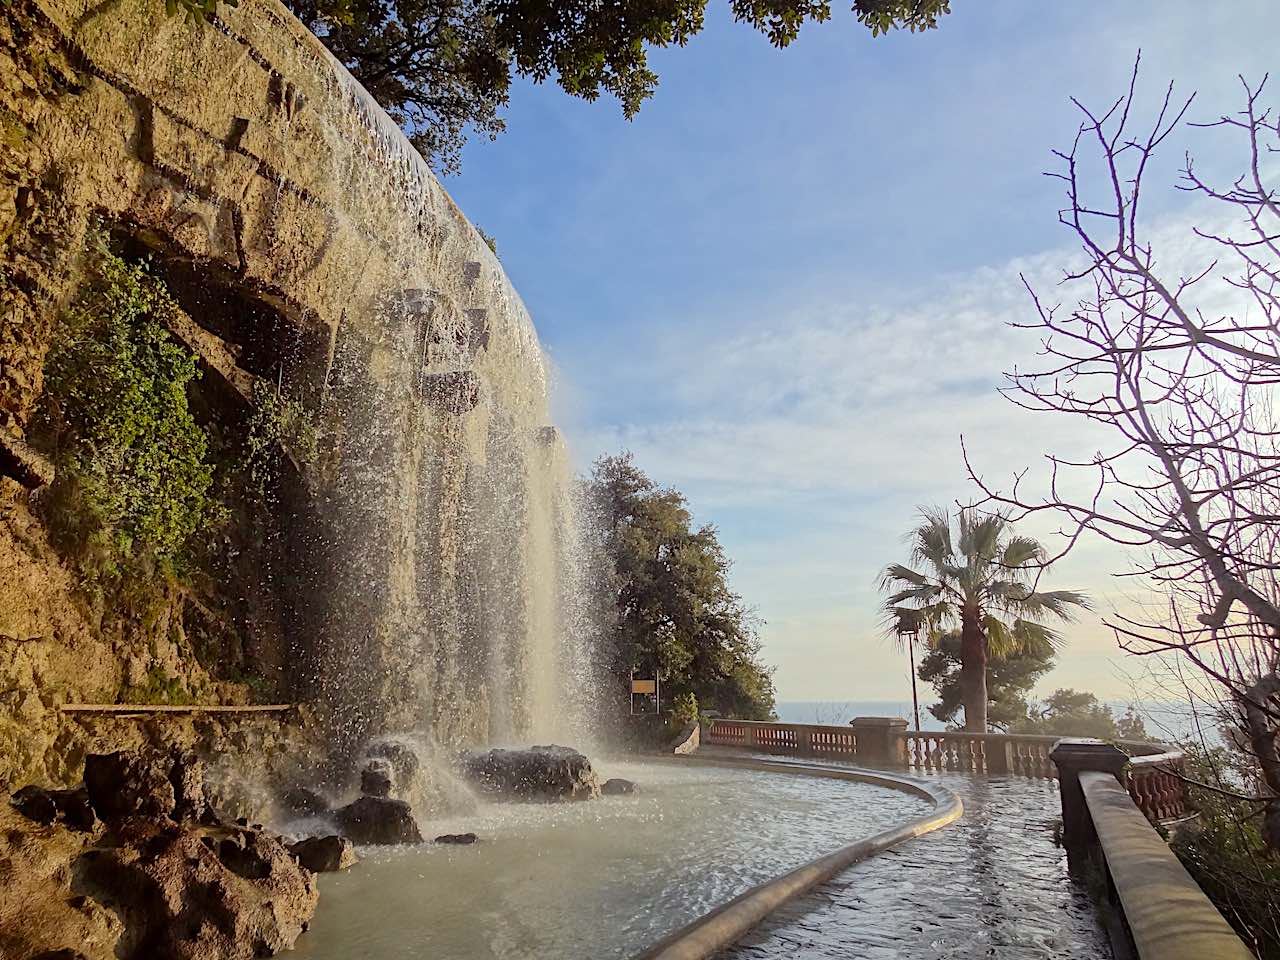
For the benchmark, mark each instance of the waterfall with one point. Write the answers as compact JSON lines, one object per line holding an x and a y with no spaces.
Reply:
{"x":447,"y":596}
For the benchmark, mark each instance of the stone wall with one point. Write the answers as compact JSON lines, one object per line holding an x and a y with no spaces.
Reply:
{"x":308,"y":243}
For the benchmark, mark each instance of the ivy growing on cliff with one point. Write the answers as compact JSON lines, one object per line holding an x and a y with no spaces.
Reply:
{"x":134,"y":478}
{"x":279,"y":426}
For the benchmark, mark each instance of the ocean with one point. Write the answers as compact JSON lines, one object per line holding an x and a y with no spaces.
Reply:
{"x":1164,"y":720}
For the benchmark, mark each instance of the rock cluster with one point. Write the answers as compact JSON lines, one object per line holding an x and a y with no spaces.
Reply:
{"x":137,"y":864}
{"x":617,"y":787}
{"x":375,"y":816}
{"x":539,"y":773}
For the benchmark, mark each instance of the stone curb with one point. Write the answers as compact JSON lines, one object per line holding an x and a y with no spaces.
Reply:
{"x":727,"y":923}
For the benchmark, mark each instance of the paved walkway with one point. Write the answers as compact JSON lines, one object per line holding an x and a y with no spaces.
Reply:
{"x":992,"y":885}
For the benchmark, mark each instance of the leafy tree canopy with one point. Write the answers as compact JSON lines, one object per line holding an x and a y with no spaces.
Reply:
{"x":1010,"y":679}
{"x":444,"y":67}
{"x":675,"y":610}
{"x":1075,"y":713}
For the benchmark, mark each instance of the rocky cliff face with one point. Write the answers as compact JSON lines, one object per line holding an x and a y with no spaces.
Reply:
{"x":405,"y":576}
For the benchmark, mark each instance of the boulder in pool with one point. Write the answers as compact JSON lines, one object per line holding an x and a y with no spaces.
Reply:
{"x":303,"y":802}
{"x":539,"y":773}
{"x":378,"y":820}
{"x":458,"y":839}
{"x":324,"y":854}
{"x":617,"y":787}
{"x":376,"y":778}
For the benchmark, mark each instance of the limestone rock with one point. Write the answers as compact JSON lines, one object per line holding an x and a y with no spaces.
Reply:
{"x":539,"y":773}
{"x":188,"y":893}
{"x":378,"y":820}
{"x":145,"y":783}
{"x":617,"y":787}
{"x":45,"y":806}
{"x":403,"y":758}
{"x":324,"y":854}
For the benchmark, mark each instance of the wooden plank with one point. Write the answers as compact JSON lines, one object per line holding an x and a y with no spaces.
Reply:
{"x":174,"y":708}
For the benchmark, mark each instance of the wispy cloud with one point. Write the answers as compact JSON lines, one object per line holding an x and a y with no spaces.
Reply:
{"x":811,"y":437}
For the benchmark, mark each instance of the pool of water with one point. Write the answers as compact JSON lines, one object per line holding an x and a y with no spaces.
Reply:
{"x":993,"y":884}
{"x":599,"y":879}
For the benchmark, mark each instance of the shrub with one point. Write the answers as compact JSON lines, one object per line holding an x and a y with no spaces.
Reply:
{"x":278,"y":424}
{"x":684,"y":710}
{"x":134,"y":478}
{"x":1223,"y":850}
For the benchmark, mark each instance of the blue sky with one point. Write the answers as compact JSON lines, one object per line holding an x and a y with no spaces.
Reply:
{"x":785,"y":285}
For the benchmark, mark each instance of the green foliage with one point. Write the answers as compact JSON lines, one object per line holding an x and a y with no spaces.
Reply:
{"x":1010,"y":680}
{"x":159,"y":688}
{"x":675,"y":611}
{"x":1076,"y":713}
{"x":1224,"y":851}
{"x":277,"y":424}
{"x":443,"y":67}
{"x":685,"y":708}
{"x":133,"y":476}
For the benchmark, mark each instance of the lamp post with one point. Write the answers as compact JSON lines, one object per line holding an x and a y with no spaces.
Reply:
{"x":908,"y":633}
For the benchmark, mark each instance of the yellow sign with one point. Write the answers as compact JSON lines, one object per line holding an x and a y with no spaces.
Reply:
{"x":644,"y":686}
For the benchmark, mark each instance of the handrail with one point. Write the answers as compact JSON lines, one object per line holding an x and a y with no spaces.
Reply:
{"x":1167,"y":914}
{"x":139,"y":708}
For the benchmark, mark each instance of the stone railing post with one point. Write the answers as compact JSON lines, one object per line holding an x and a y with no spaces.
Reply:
{"x":804,"y":741}
{"x":999,"y":754}
{"x":880,"y":740}
{"x":1072,"y":757}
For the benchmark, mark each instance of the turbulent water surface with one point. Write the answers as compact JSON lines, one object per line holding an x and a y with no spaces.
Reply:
{"x":596,"y":879}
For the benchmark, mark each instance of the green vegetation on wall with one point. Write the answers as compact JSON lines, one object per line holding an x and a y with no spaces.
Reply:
{"x":133,"y":487}
{"x":278,"y":423}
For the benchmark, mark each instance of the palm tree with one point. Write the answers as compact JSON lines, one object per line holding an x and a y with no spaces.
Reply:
{"x":982,"y":582}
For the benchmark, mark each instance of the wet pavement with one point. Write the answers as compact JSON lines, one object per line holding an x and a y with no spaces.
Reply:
{"x":993,"y":884}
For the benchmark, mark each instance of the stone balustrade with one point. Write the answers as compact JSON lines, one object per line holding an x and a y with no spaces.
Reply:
{"x":1109,"y":802}
{"x":1151,"y":774}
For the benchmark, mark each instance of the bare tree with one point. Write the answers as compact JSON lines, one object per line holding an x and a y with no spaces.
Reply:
{"x":1179,"y":364}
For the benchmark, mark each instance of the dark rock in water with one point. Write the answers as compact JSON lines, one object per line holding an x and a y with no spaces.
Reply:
{"x":324,"y":854}
{"x":246,"y":897}
{"x":45,"y":806}
{"x":379,"y":820}
{"x":617,"y":787}
{"x":456,"y":838}
{"x":301,"y":802}
{"x":403,"y":758}
{"x":375,"y":778}
{"x":539,"y":773}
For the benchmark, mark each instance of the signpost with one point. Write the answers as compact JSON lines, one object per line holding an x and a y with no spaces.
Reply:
{"x":646,"y":691}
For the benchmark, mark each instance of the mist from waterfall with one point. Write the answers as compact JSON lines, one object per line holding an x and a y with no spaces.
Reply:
{"x":449,"y":582}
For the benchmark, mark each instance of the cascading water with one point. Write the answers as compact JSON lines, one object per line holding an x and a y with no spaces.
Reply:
{"x":449,"y":563}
